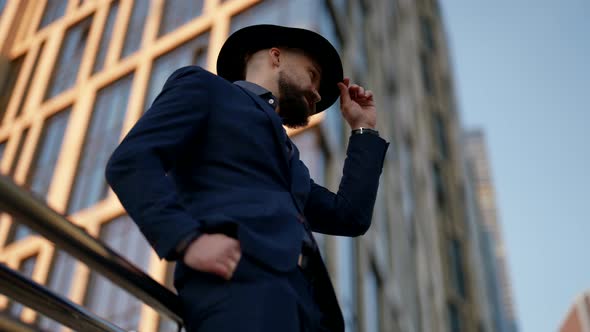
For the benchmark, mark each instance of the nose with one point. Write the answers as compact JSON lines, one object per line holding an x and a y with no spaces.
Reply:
{"x":316,"y":96}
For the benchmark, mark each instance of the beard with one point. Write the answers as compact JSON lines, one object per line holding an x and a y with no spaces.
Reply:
{"x":293,"y":107}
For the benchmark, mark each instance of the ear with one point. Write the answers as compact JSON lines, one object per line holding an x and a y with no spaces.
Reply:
{"x":275,"y":56}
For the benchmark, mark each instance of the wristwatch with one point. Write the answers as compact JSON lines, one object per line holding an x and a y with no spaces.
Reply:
{"x":363,"y":130}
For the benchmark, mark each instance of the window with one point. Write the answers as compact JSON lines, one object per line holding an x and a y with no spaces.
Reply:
{"x":29,"y":80}
{"x":439,"y":186}
{"x":2,"y":5}
{"x":26,"y":269}
{"x":103,"y":47}
{"x":60,"y":282}
{"x":372,"y":309}
{"x":135,"y":27}
{"x":340,"y":6}
{"x":265,"y":12}
{"x":102,"y":138}
{"x":361,"y":60}
{"x":454,"y":318}
{"x":45,"y":159}
{"x":103,"y":297}
{"x":407,"y":181}
{"x":66,"y":69}
{"x":8,"y":82}
{"x":179,"y":12}
{"x":456,"y":264}
{"x":440,"y":134}
{"x":2,"y":148}
{"x":193,"y":52}
{"x":347,"y":281}
{"x":19,"y":150}
{"x":54,"y":9}
{"x":427,"y":81}
{"x":427,"y":36}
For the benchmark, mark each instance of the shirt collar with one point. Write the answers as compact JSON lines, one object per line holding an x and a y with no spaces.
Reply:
{"x":260,"y":91}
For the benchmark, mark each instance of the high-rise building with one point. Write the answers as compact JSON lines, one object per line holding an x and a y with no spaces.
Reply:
{"x":578,"y":316}
{"x":77,"y":74}
{"x":476,"y":152}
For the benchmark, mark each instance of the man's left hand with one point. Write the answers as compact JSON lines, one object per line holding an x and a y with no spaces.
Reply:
{"x":357,"y":105}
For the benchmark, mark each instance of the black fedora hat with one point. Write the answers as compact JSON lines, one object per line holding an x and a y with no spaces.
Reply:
{"x":231,"y":61}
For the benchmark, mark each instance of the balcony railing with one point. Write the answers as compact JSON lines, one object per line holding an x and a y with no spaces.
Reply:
{"x":97,"y":256}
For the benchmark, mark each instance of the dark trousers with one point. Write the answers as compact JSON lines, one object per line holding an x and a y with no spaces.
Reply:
{"x":255,"y":300}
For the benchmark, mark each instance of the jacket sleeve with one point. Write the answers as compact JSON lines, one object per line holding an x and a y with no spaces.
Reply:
{"x":349,"y":211}
{"x":137,"y":169}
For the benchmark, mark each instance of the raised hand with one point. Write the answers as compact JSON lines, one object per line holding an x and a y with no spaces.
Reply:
{"x":357,"y":105}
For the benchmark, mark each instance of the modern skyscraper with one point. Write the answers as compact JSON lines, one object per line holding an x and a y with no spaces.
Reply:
{"x":76,"y":75}
{"x":477,"y":155}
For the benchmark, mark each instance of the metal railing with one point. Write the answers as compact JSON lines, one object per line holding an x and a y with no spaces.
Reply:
{"x":97,"y":256}
{"x":39,"y":298}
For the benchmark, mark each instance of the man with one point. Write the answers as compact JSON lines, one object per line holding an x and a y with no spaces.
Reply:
{"x":213,"y":181}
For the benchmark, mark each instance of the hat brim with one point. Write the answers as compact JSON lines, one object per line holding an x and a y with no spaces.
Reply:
{"x":231,"y":61}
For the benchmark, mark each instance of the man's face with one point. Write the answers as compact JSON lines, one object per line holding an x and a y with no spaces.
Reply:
{"x":298,"y":83}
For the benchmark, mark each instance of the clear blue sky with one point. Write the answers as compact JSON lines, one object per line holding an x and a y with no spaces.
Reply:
{"x":522,"y":71}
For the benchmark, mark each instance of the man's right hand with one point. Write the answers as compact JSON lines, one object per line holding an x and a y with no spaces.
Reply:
{"x":214,"y":253}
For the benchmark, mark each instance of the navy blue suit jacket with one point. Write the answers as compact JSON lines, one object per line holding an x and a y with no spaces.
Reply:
{"x":211,"y":155}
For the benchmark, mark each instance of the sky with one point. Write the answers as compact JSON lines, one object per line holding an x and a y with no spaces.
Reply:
{"x":522,"y":74}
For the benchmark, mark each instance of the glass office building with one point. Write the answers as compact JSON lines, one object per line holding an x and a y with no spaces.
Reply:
{"x":75,"y":75}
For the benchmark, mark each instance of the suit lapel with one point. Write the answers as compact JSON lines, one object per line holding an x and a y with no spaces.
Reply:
{"x":277,"y":126}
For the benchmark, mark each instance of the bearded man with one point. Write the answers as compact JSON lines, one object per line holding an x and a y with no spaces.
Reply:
{"x":213,"y":182}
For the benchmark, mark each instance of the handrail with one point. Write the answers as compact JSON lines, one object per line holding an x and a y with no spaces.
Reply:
{"x":9,"y":323}
{"x":41,"y":299}
{"x":73,"y":239}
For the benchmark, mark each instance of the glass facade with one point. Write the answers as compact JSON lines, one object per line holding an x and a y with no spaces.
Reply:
{"x":7,"y":86}
{"x":193,"y":52}
{"x":103,"y":47}
{"x":372,"y":307}
{"x":21,"y":103}
{"x":135,"y":26}
{"x":54,"y":9}
{"x":102,"y":138}
{"x":66,"y":69}
{"x":102,"y":296}
{"x":178,"y":12}
{"x":45,"y":159}
{"x":348,"y":282}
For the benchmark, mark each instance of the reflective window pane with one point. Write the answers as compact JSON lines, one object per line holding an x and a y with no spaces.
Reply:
{"x":66,"y":69}
{"x":54,"y":9}
{"x":371,"y":292}
{"x":48,"y":148}
{"x":101,"y":140}
{"x":347,"y":281}
{"x":21,"y":143}
{"x":103,"y":47}
{"x":6,"y":86}
{"x":2,"y":148}
{"x":105,"y":298}
{"x":29,"y":81}
{"x":456,"y":265}
{"x":178,"y":12}
{"x":193,"y":52}
{"x":59,"y":281}
{"x":135,"y":27}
